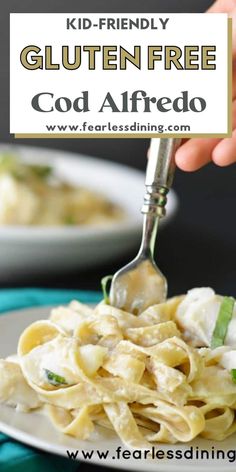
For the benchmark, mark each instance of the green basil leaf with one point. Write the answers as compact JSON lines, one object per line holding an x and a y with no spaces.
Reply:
{"x":104,"y":283}
{"x":233,"y":374}
{"x":222,"y":322}
{"x":41,"y":171}
{"x":69,"y":220}
{"x":55,"y":379}
{"x":8,"y":163}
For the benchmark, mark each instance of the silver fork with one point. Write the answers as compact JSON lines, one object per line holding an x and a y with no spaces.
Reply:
{"x":140,"y":283}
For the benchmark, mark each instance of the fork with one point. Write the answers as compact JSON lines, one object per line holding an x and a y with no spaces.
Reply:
{"x":140,"y":283}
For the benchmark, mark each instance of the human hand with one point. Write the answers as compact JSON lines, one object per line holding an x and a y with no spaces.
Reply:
{"x":195,"y":153}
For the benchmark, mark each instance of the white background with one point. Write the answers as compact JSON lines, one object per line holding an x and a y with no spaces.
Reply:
{"x":181,"y":30}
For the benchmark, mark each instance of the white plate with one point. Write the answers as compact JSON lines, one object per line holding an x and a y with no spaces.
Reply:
{"x":35,"y":429}
{"x":31,"y":250}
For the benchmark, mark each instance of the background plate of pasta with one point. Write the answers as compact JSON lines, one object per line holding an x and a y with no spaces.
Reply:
{"x":62,"y":211}
{"x":81,"y":378}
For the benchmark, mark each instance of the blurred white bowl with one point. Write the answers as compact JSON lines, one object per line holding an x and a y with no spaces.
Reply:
{"x":27,"y":250}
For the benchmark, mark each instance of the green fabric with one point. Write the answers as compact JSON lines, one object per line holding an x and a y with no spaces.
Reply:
{"x":14,"y":298}
{"x":14,"y":456}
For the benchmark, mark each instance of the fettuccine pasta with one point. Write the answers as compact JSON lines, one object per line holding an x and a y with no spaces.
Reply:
{"x":151,"y":378}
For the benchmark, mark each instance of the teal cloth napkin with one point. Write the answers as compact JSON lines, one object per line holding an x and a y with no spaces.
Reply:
{"x":14,"y":456}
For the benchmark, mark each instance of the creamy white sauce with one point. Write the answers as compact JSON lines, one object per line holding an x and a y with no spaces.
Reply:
{"x":55,"y":356}
{"x":197,"y":315}
{"x":139,"y":288}
{"x":14,"y":390}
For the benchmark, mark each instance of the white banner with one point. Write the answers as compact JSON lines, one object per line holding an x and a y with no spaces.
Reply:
{"x":128,"y":75}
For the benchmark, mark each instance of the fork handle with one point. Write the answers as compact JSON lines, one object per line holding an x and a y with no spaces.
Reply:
{"x":159,"y":174}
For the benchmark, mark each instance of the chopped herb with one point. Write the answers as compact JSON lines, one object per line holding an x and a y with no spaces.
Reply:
{"x":55,"y":379}
{"x":21,"y":170}
{"x":222,"y":322}
{"x":7,"y":162}
{"x":69,"y":220}
{"x":233,"y":374}
{"x":18,"y":174}
{"x":104,"y":283}
{"x":40,"y":170}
